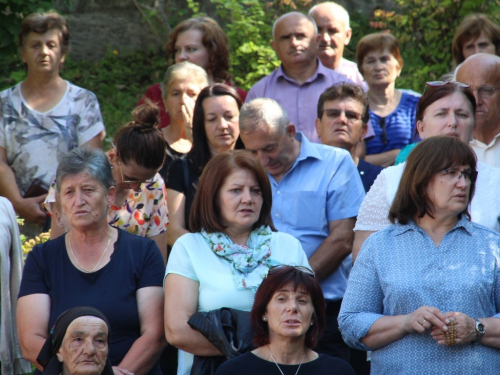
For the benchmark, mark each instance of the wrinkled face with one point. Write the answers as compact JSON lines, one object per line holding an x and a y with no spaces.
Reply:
{"x":85,"y":347}
{"x":380,"y":68}
{"x":289,"y":313}
{"x":482,"y":80}
{"x":341,"y":124}
{"x":482,"y":44}
{"x":295,"y":41}
{"x":189,"y":47}
{"x":42,"y":52}
{"x":84,"y":201}
{"x":274,"y":150}
{"x":451,"y":115}
{"x":178,"y":91}
{"x":221,"y":123}
{"x":333,"y":35}
{"x":448,"y":191}
{"x":240,"y":201}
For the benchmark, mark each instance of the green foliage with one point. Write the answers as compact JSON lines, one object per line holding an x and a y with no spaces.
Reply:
{"x":425,"y":31}
{"x":119,"y":81}
{"x":10,"y":19}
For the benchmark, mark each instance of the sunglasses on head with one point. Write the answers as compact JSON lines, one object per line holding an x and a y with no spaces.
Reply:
{"x":306,"y":270}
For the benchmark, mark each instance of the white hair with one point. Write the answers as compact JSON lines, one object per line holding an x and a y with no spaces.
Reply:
{"x":305,"y":16}
{"x":339,"y":10}
{"x":263,"y":112}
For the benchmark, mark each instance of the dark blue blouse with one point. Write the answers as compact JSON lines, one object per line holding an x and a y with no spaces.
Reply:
{"x":135,"y":263}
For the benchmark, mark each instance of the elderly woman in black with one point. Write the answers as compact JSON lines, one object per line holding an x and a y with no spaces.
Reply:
{"x":78,"y":343}
{"x":97,"y":265}
{"x":288,"y":317}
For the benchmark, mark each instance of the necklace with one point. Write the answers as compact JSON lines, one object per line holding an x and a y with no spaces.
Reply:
{"x":279,"y":368}
{"x":76,"y":259}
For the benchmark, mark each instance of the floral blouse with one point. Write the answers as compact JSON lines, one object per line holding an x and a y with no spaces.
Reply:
{"x":143,"y":213}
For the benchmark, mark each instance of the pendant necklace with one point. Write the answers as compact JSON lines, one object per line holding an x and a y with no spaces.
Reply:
{"x":279,"y":368}
{"x":78,"y":263}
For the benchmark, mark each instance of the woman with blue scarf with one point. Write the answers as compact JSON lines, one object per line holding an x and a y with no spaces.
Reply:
{"x":229,"y":252}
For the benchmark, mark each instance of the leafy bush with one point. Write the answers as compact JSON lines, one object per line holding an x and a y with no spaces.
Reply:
{"x":425,"y":30}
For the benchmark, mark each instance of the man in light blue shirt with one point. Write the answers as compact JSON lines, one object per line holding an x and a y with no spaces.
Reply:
{"x":317,"y":192}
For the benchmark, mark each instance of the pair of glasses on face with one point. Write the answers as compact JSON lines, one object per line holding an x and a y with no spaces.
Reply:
{"x":133,"y":181}
{"x":306,"y":270}
{"x":457,"y":174}
{"x":334,"y":114}
{"x":483,"y":92}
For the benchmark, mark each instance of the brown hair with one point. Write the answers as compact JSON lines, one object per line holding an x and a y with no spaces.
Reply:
{"x":470,"y":29}
{"x":434,"y":93}
{"x":200,"y":151}
{"x":40,"y":23}
{"x":275,"y":281}
{"x":431,"y":156}
{"x":140,"y":140}
{"x":377,"y":42}
{"x":205,"y":212}
{"x":214,"y":40}
{"x":343,"y":91}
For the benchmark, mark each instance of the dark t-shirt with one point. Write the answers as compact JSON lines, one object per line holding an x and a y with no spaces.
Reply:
{"x":368,"y":173}
{"x":136,"y":263}
{"x":170,"y":157}
{"x":250,"y":364}
{"x":176,"y":180}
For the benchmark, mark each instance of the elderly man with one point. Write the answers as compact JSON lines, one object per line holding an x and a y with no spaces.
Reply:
{"x":482,"y":72}
{"x":301,"y":78}
{"x":342,"y":122}
{"x":316,"y":196}
{"x":334,"y":34}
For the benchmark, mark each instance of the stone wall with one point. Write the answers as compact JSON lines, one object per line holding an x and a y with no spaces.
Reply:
{"x":99,"y":25}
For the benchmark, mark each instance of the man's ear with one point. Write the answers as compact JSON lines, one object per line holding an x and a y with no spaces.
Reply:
{"x":291,"y":131}
{"x":318,"y":127}
{"x":273,"y":45}
{"x":348,"y":34}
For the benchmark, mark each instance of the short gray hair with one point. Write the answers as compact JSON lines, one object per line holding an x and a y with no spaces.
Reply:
{"x":85,"y":159}
{"x":339,"y":10}
{"x":263,"y":111}
{"x":307,"y":17}
{"x":183,"y":70}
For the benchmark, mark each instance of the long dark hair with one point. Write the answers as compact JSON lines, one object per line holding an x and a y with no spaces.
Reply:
{"x":200,"y":153}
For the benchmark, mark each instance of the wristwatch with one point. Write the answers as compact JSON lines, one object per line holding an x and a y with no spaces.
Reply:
{"x":480,"y":331}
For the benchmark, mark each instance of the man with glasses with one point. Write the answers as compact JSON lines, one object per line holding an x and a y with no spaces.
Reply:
{"x":482,"y":72}
{"x":342,"y":122}
{"x":316,"y":196}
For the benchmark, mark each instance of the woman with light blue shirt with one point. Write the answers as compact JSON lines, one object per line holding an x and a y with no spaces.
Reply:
{"x":424,"y":293}
{"x":233,"y":245}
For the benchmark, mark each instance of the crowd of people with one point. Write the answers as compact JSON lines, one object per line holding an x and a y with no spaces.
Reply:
{"x":326,"y":223}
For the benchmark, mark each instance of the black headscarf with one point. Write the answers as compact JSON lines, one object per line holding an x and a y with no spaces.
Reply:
{"x":47,"y":356}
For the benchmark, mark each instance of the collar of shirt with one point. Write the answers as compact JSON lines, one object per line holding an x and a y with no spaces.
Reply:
{"x":321,"y":71}
{"x":307,"y":150}
{"x":463,"y":222}
{"x":480,"y":144}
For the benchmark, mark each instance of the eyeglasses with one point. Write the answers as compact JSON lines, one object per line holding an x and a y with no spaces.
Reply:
{"x":443,"y":83}
{"x":457,"y":174}
{"x":132,"y":182}
{"x":334,"y":114}
{"x":485,"y":92}
{"x":306,"y":270}
{"x":383,"y":135}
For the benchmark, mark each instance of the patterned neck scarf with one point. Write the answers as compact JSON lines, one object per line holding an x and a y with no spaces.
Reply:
{"x":249,"y":263}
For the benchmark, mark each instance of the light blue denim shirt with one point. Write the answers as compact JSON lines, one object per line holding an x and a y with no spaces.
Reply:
{"x":323,"y":185}
{"x":399,"y":269}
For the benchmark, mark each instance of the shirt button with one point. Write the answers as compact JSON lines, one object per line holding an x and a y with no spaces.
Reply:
{"x":278,"y":192}
{"x":277,"y":215}
{"x":439,"y":267}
